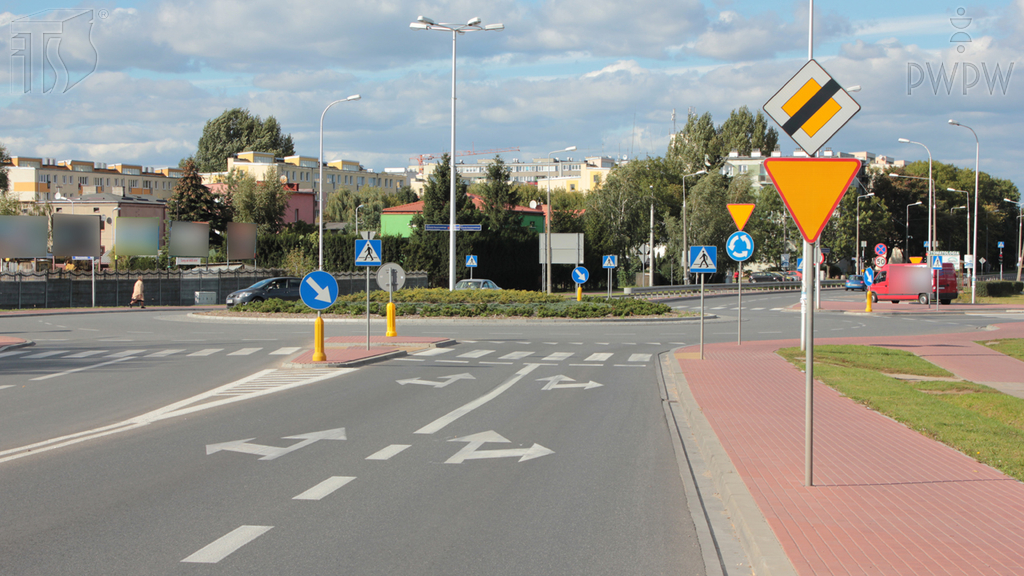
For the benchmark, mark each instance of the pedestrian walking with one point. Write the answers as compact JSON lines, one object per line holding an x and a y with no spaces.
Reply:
{"x":138,"y":297}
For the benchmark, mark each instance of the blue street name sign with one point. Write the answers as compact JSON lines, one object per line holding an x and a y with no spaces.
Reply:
{"x":435,"y":227}
{"x":704,"y":259}
{"x":318,"y":290}
{"x":368,"y":253}
{"x":610,"y":261}
{"x":580,"y":275}
{"x":469,"y":227}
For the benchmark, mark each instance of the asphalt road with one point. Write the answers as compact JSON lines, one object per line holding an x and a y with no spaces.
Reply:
{"x":536,"y":448}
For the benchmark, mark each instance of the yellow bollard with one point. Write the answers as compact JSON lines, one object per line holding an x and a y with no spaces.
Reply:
{"x":868,"y":308}
{"x":579,"y":293}
{"x":391,"y":333}
{"x":318,"y":340}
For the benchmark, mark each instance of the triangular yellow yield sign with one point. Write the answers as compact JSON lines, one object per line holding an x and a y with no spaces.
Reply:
{"x":740,"y":214}
{"x":812,"y":188}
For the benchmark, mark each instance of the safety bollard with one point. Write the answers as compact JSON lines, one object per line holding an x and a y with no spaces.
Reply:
{"x":579,"y":293}
{"x":318,"y":340}
{"x":391,"y":333}
{"x":868,"y":308}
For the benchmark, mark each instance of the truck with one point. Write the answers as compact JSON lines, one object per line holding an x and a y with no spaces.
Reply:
{"x":896,"y":282}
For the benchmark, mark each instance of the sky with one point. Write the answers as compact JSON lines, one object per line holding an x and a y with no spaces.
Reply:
{"x":135,"y":81}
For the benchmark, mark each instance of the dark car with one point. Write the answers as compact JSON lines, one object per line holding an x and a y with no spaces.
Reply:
{"x":476,"y":284}
{"x":285,"y":288}
{"x":855,"y":282}
{"x":760,"y":277}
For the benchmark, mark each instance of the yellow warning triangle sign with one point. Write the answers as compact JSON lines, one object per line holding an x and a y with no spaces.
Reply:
{"x":740,"y":214}
{"x":812,"y":188}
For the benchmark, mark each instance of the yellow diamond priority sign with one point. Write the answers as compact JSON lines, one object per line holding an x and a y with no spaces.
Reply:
{"x":811,"y":107}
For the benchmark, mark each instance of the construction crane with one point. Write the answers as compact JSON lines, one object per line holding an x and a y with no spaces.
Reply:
{"x":428,"y":157}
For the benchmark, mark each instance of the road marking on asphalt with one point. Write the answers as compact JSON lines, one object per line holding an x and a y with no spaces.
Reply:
{"x":285,"y":351}
{"x":66,"y":372}
{"x":757,"y":308}
{"x":410,"y":359}
{"x":206,"y":352}
{"x":516,"y":355}
{"x":433,"y":352}
{"x":476,"y":354}
{"x":244,"y":351}
{"x":86,"y":354}
{"x":7,"y":386}
{"x":629,"y":366}
{"x":639,"y":358}
{"x":500,"y":363}
{"x":324,"y":488}
{"x":387,"y":453}
{"x":48,"y":354}
{"x":558,"y":356}
{"x":12,"y":353}
{"x":164,"y":353}
{"x":124,"y":353}
{"x":467,"y":408}
{"x":598,"y":357}
{"x":222,"y":547}
{"x":587,"y":365}
{"x":455,"y":361}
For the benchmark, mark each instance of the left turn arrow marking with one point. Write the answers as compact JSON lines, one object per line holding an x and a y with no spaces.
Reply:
{"x":272,"y":452}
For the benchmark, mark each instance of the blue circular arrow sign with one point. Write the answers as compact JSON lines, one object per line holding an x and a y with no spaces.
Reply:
{"x":580,"y":275}
{"x":318,"y":290}
{"x":740,"y":246}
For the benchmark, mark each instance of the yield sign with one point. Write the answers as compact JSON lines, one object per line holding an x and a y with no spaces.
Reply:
{"x":812,"y":188}
{"x":740,"y":214}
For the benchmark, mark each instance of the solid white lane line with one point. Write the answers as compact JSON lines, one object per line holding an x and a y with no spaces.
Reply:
{"x":86,"y":354}
{"x":206,"y":352}
{"x":598,"y":357}
{"x":47,"y":354}
{"x":66,"y":372}
{"x":639,"y":358}
{"x":467,"y":408}
{"x":387,"y":453}
{"x":324,"y":488}
{"x":558,"y":356}
{"x":516,"y":355}
{"x":124,"y":354}
{"x":285,"y":351}
{"x":433,"y":352}
{"x":244,"y":351}
{"x":164,"y":353}
{"x":476,"y":354}
{"x":222,"y":547}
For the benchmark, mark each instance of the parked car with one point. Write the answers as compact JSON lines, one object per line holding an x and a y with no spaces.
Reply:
{"x":793,"y":275}
{"x":476,"y":284}
{"x":855,"y":282}
{"x":283,"y":287}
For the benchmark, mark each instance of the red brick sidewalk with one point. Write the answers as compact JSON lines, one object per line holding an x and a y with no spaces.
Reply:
{"x":886,"y":499}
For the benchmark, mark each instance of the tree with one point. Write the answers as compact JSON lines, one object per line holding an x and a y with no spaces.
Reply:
{"x":261,"y":203}
{"x":429,"y":250}
{"x":702,"y":146}
{"x":193,"y":202}
{"x":8,"y":202}
{"x":237,"y":130}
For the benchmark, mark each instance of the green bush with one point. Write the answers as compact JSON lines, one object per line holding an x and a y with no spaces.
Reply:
{"x":999,"y":289}
{"x":631,"y":307}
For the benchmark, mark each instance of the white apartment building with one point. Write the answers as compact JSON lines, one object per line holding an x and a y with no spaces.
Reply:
{"x":303,"y":173}
{"x":40,"y":179}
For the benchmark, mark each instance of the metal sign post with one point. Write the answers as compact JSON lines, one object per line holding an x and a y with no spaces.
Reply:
{"x":703,"y":260}
{"x":740,"y":247}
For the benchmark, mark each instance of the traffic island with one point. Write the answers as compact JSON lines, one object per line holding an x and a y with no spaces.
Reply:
{"x":351,"y":351}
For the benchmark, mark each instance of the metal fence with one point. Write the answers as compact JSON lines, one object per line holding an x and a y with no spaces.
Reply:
{"x":63,"y":289}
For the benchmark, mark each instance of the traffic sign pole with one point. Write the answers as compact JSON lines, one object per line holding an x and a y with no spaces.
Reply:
{"x":739,"y":306}
{"x":702,"y":316}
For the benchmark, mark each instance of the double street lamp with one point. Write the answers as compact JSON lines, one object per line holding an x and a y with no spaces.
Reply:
{"x":906,"y":243}
{"x":931,"y":196}
{"x":1020,"y":233}
{"x":474,"y":25}
{"x":547,"y":228}
{"x":321,"y":202}
{"x":686,"y":238}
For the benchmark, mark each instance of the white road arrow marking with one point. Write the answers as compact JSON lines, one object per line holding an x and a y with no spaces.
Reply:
{"x":322,"y":294}
{"x":553,"y":382}
{"x":470,"y":452}
{"x":272,"y":452}
{"x":446,"y":380}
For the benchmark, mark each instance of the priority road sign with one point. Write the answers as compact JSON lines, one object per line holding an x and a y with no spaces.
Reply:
{"x":740,"y":214}
{"x":610,"y":261}
{"x":368,"y":253}
{"x":740,"y":246}
{"x":811,"y":107}
{"x":881,"y":249}
{"x":580,"y":275}
{"x":471,"y":261}
{"x":812,"y":188}
{"x":318,"y":290}
{"x":704,"y":259}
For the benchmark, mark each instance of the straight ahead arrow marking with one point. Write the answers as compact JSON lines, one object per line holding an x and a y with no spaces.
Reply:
{"x":272,"y":452}
{"x":471,"y":452}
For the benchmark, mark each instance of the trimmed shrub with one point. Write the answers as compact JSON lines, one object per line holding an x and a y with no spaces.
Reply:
{"x":999,"y":289}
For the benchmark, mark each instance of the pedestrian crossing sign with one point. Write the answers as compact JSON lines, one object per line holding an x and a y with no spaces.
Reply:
{"x":610,"y":261}
{"x":368,"y":253}
{"x":704,"y":259}
{"x":470,"y":261}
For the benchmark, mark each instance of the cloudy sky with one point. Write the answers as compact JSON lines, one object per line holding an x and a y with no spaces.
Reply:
{"x":134,"y":81}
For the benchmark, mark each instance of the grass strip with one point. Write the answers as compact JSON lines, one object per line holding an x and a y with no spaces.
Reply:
{"x":977,"y":420}
{"x":1012,"y":347}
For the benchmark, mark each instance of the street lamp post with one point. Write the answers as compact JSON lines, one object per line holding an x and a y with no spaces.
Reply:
{"x":1020,"y":233}
{"x":857,"y":249}
{"x":906,"y":243}
{"x":357,"y":218}
{"x":931,"y":198}
{"x":977,"y":155}
{"x":424,"y":23}
{"x":650,"y":245}
{"x":967,"y":240}
{"x":547,"y":229}
{"x":686,"y":238}
{"x":321,"y":203}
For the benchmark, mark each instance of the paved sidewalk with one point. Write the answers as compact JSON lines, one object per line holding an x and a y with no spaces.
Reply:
{"x":347,"y":351}
{"x":886,"y":500}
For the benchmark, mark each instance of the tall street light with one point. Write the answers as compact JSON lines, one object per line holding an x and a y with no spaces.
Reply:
{"x":858,"y":250}
{"x":931,"y":197}
{"x":686,"y":237}
{"x":321,"y":218}
{"x":1020,"y":233}
{"x":547,"y":228}
{"x":424,"y":23}
{"x":977,"y":154}
{"x":357,"y":218}
{"x":967,"y":248}
{"x":906,"y":243}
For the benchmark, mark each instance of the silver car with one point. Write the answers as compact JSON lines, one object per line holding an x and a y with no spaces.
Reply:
{"x":476,"y":284}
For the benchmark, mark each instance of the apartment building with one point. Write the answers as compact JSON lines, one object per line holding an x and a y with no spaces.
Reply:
{"x":40,"y":179}
{"x":302,"y":173}
{"x":571,"y":174}
{"x":753,"y":165}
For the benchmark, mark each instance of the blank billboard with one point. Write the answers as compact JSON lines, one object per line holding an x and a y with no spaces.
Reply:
{"x":76,"y":235}
{"x":189,"y":239}
{"x":136,"y":236}
{"x":23,"y":236}
{"x":241,"y":241}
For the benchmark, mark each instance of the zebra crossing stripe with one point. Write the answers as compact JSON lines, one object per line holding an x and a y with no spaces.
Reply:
{"x":476,"y":354}
{"x":285,"y":351}
{"x":85,"y":354}
{"x":163,"y":353}
{"x":244,"y":351}
{"x":206,"y":352}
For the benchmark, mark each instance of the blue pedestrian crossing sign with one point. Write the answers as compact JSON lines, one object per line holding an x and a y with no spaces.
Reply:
{"x":704,"y":259}
{"x":318,"y":290}
{"x":580,"y":275}
{"x":470,"y":261}
{"x":740,"y":246}
{"x":368,"y":253}
{"x":610,"y":261}
{"x":936,"y":262}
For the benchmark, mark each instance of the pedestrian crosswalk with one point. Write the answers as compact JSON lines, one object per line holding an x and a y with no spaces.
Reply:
{"x":36,"y":354}
{"x":528,"y":356}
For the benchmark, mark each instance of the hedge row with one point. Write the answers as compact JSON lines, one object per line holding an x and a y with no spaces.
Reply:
{"x":562,"y":309}
{"x":445,"y":296}
{"x":999,"y":289}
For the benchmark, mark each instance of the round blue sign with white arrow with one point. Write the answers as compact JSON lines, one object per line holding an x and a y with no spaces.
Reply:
{"x":869,"y":276}
{"x":580,"y":275}
{"x":318,"y":290}
{"x":740,"y":246}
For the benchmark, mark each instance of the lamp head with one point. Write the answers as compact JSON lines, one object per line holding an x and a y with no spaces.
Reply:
{"x":473,"y":21}
{"x":904,"y":140}
{"x":494,"y":27}
{"x":353,"y":97}
{"x":570,"y":149}
{"x":419,"y":26}
{"x":425,"y":20}
{"x":954,"y":122}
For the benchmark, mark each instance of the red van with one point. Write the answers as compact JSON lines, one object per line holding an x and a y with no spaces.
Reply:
{"x":895,"y":282}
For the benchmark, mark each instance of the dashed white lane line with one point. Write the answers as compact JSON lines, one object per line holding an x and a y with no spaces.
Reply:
{"x":244,"y":351}
{"x":222,"y":547}
{"x":387,"y":453}
{"x":325,"y":488}
{"x":86,"y":354}
{"x":206,"y":352}
{"x":285,"y":351}
{"x":83,"y":368}
{"x":467,"y":408}
{"x":12,"y":353}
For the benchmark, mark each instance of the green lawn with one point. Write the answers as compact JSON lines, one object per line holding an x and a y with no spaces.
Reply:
{"x":1013,"y":347}
{"x":976,"y":420}
{"x":965,"y":298}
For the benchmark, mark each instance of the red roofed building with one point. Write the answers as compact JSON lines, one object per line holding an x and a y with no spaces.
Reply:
{"x":397,"y":220}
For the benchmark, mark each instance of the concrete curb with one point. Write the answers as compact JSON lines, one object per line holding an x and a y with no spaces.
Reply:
{"x":755,"y":535}
{"x":15,"y":346}
{"x":468,"y":320}
{"x":347,"y":363}
{"x":30,"y":313}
